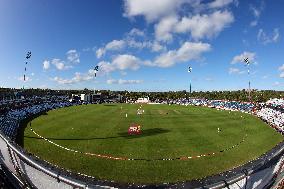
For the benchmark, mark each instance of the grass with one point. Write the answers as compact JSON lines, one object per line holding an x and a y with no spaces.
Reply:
{"x":167,"y":132}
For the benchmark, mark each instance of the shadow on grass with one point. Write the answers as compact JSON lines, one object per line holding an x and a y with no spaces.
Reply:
{"x":23,"y":125}
{"x":145,"y":133}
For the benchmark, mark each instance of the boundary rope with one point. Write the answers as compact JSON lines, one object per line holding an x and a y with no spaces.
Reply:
{"x":139,"y":159}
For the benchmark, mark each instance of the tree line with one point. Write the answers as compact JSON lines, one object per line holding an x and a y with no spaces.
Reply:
{"x":240,"y":95}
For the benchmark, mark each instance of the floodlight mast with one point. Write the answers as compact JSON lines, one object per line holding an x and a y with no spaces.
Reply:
{"x":28,"y":56}
{"x":189,"y":71}
{"x":246,"y":60}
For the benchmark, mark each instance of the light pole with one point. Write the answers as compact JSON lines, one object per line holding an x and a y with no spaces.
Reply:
{"x":189,"y":71}
{"x":96,"y":69}
{"x":28,"y":56}
{"x":246,"y":60}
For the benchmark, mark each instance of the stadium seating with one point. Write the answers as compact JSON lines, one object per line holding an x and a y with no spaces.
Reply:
{"x":9,"y":124}
{"x":271,"y":112}
{"x":273,"y":117}
{"x":220,"y":104}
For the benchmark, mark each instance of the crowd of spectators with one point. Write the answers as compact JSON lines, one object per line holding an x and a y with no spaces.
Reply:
{"x":271,"y":112}
{"x":272,"y":117}
{"x":12,"y":113}
{"x":276,"y":102}
{"x":219,"y":104}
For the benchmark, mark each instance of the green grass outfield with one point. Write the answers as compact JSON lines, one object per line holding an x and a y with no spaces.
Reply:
{"x":167,"y":132}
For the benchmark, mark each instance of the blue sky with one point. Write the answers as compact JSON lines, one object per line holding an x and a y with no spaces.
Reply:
{"x":142,"y":45}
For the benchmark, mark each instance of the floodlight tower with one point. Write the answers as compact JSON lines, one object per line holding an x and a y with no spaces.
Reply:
{"x":189,"y":71}
{"x":246,"y":60}
{"x":28,"y":56}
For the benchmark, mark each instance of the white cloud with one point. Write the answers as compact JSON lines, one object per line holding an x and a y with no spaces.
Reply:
{"x":233,"y":70}
{"x":256,"y":12}
{"x":164,"y":28}
{"x":82,"y":77}
{"x":151,"y":10}
{"x":209,"y":79}
{"x":111,"y":81}
{"x":133,"y":40}
{"x":62,"y":81}
{"x":156,"y":47}
{"x":123,"y":82}
{"x":59,"y":64}
{"x":86,"y":49}
{"x":199,"y":26}
{"x":265,"y":38}
{"x":278,"y":84}
{"x":219,"y":3}
{"x":100,"y":52}
{"x":281,"y":69}
{"x":236,"y":71}
{"x":240,"y":58}
{"x":188,"y":51}
{"x":46,"y":65}
{"x":105,"y":67}
{"x":138,"y":44}
{"x":120,"y":62}
{"x":155,"y":10}
{"x":170,"y":17}
{"x":136,"y":32}
{"x":78,"y":77}
{"x":253,"y":23}
{"x":123,"y":62}
{"x":73,"y":56}
{"x":114,"y":45}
